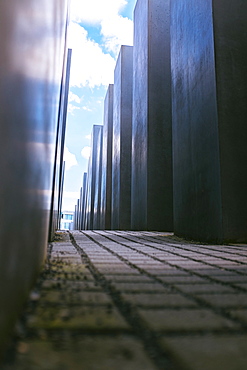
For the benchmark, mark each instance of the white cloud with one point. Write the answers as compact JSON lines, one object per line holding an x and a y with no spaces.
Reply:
{"x":87,"y":109}
{"x":72,"y":108}
{"x":88,"y":137}
{"x":74,"y":98}
{"x":117,"y":31}
{"x":69,"y":200}
{"x":94,"y":11}
{"x":70,"y":159}
{"x":71,"y":194}
{"x":90,"y":66}
{"x":86,"y":151}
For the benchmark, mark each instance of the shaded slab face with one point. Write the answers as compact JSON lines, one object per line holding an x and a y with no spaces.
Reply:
{"x":209,"y":119}
{"x":231,"y":76}
{"x":107,"y":161}
{"x":83,"y":200}
{"x":152,"y":199}
{"x":98,"y":179}
{"x":93,"y":184}
{"x":30,"y":80}
{"x":197,"y":196}
{"x":122,"y":138}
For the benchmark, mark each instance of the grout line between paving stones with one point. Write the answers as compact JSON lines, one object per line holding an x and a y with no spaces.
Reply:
{"x":185,"y":249}
{"x":201,"y":246}
{"x":217,"y":310}
{"x":175,"y":243}
{"x":243,"y":290}
{"x":162,"y":360}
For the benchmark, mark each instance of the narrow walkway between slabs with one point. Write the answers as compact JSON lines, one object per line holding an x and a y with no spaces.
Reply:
{"x":120,"y":300}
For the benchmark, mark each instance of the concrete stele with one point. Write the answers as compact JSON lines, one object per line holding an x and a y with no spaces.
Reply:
{"x":209,"y":73}
{"x":122,"y":137}
{"x":152,"y":188}
{"x":106,"y":186}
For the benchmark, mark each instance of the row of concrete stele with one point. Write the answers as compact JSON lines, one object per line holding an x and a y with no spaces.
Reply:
{"x":171,"y":154}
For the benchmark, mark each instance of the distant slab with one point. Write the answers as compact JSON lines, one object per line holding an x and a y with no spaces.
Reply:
{"x":122,"y":139}
{"x":92,"y":178}
{"x":106,"y":186}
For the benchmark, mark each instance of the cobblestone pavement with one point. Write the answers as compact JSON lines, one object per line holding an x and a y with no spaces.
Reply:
{"x":115,"y":300}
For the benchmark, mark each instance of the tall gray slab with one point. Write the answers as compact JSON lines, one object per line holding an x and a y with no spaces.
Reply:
{"x":106,"y":187}
{"x":58,"y":167}
{"x":92,"y":186}
{"x":122,"y":138}
{"x":98,"y":180}
{"x":152,"y":186}
{"x":87,"y":208}
{"x":83,"y":200}
{"x":32,"y":39}
{"x":80,"y":210}
{"x":209,"y":74}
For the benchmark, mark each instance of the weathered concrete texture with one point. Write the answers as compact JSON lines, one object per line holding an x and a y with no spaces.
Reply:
{"x":59,"y":164}
{"x":80,"y":210}
{"x":136,"y":300}
{"x":87,"y":209}
{"x":122,"y":138}
{"x":82,"y":201}
{"x":152,"y":188}
{"x":98,"y":180}
{"x":106,"y":186}
{"x":209,"y":73}
{"x":31,"y":67}
{"x":92,"y":177}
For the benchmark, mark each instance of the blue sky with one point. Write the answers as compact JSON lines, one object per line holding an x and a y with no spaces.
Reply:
{"x":97,"y":30}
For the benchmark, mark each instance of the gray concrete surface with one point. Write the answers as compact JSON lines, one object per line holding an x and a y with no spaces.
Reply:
{"x":92,"y":177}
{"x":106,"y":186}
{"x":122,"y":140}
{"x":32,"y":39}
{"x":98,"y":181}
{"x":209,"y":72}
{"x":135,"y":300}
{"x":152,"y":184}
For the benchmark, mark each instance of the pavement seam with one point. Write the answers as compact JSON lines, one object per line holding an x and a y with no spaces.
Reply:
{"x":162,"y":359}
{"x":243,"y":290}
{"x":161,"y":241}
{"x":220,"y":311}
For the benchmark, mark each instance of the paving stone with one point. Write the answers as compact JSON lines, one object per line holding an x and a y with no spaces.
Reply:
{"x":139,"y":287}
{"x":226,"y":300}
{"x":209,"y":352}
{"x":185,"y":320}
{"x":214,"y":272}
{"x":89,"y":353}
{"x":160,"y":299}
{"x":204,"y":288}
{"x":120,"y":271}
{"x":74,"y":297}
{"x":240,"y":314}
{"x":183,"y":279}
{"x":86,"y":284}
{"x":77,"y":318}
{"x":232,"y":279}
{"x":167,"y":272}
{"x":129,"y":278}
{"x":241,"y":285}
